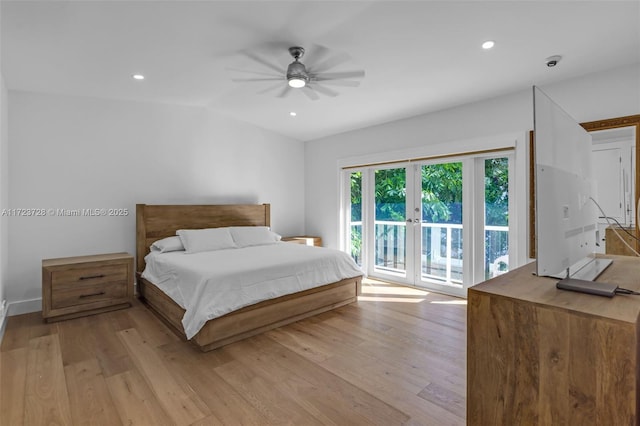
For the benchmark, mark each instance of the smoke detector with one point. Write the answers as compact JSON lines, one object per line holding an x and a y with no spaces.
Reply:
{"x":552,"y":61}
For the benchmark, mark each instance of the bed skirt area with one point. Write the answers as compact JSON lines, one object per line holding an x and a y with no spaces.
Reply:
{"x":254,"y":319}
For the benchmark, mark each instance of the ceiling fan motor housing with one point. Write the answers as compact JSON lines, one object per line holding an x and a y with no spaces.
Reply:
{"x":296,"y":70}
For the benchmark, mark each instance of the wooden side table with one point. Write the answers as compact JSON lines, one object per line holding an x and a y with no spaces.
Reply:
{"x":304,"y":239}
{"x":84,"y":285}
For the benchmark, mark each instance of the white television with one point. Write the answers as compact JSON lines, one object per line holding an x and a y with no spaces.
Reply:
{"x":566,"y":215}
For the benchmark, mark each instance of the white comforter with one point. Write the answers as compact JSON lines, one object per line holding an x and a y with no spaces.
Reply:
{"x":211,"y":284}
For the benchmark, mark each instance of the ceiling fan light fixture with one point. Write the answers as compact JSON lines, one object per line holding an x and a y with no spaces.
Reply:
{"x":297,"y":82}
{"x":297,"y":75}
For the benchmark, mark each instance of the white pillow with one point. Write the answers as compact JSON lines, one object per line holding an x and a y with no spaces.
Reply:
{"x":168,"y":244}
{"x":245,"y":236}
{"x":209,"y":239}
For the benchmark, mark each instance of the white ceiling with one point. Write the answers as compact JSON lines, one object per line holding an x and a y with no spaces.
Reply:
{"x":419,"y":56}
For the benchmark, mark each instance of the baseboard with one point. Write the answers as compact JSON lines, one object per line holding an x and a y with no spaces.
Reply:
{"x":4,"y":310}
{"x":17,"y":308}
{"x":25,"y":307}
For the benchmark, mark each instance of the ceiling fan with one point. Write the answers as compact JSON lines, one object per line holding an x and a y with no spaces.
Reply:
{"x":311,"y":80}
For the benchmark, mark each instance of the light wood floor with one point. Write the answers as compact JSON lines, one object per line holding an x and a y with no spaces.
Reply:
{"x":395,"y":357}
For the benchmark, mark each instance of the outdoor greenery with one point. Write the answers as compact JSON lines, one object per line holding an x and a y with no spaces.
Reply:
{"x":442,"y":193}
{"x":496,"y":184}
{"x":356,"y":196}
{"x":391,"y":194}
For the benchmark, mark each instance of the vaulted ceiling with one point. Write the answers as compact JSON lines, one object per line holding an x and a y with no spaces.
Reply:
{"x":418,"y":56}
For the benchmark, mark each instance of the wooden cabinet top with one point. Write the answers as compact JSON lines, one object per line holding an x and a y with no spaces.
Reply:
{"x":522,"y":284}
{"x":62,"y":261}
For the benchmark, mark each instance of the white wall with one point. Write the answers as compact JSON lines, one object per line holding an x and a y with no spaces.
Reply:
{"x":591,"y":97}
{"x":75,"y":153}
{"x":3,"y":201}
{"x":4,"y":174}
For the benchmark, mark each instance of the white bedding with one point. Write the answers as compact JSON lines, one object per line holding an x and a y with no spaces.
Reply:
{"x":213,"y":283}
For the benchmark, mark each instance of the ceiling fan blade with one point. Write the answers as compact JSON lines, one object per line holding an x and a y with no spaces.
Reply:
{"x":308,"y":91}
{"x":270,"y":88}
{"x":343,"y":83}
{"x":334,"y":61}
{"x":324,"y":90}
{"x":257,"y":79}
{"x":339,"y":75}
{"x":284,"y":92}
{"x":262,"y":61}
{"x":316,"y":54}
{"x":268,"y":74}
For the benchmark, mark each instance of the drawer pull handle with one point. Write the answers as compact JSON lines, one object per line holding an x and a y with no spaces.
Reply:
{"x":90,"y":277}
{"x":100,"y":293}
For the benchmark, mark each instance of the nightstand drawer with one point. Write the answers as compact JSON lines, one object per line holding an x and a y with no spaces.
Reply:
{"x":88,"y":276}
{"x":74,"y":296}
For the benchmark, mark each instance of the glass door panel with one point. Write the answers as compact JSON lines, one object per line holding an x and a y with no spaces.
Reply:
{"x":390,"y":226}
{"x":406,"y":223}
{"x":355,"y":217}
{"x":496,"y":218}
{"x":441,"y":242}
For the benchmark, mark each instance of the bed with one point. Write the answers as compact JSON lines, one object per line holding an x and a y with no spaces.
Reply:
{"x":155,"y":222}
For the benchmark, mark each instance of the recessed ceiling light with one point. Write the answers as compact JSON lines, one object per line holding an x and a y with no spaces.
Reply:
{"x":138,"y":77}
{"x":488,"y":44}
{"x":293,"y":113}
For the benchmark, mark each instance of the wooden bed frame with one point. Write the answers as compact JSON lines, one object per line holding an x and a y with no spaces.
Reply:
{"x":154,"y":222}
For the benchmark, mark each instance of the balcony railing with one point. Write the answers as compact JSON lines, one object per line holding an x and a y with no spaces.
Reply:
{"x":441,"y":249}
{"x":496,"y":243}
{"x":442,"y":253}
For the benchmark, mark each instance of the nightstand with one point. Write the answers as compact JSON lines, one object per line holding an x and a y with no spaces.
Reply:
{"x":85,"y":285}
{"x":304,"y":239}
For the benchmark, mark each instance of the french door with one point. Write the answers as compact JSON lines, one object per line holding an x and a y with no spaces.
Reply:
{"x":441,"y":225}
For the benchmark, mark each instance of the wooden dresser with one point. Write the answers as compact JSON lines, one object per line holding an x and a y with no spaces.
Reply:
{"x":86,"y":285}
{"x":537,"y":355}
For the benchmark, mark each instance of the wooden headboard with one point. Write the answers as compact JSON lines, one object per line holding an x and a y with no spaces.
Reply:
{"x":154,"y":222}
